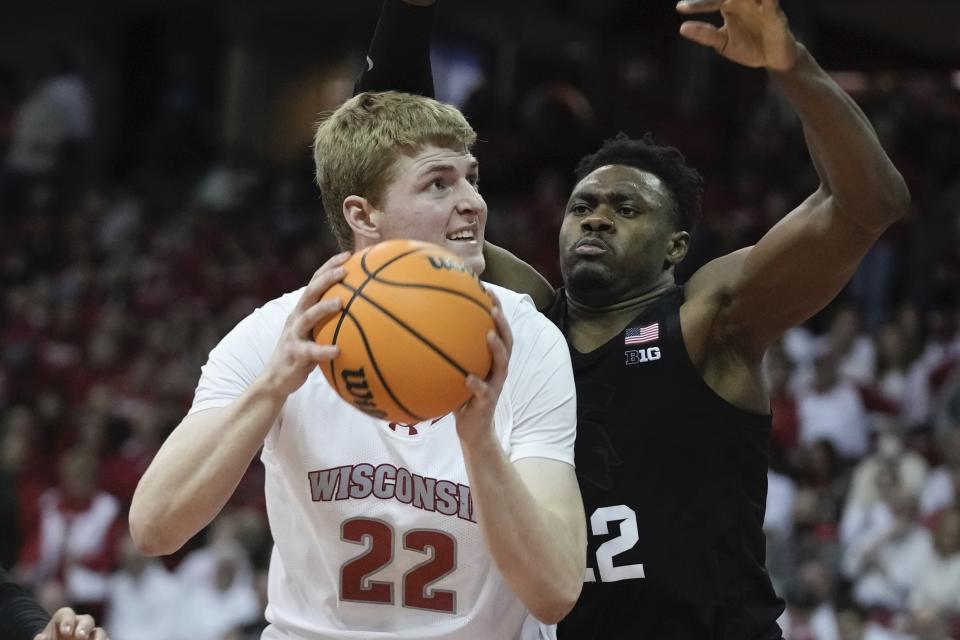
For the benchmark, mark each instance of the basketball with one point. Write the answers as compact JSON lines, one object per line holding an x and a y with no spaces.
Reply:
{"x":413,"y":325}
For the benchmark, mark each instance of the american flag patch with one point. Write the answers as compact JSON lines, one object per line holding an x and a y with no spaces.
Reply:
{"x":642,"y":335}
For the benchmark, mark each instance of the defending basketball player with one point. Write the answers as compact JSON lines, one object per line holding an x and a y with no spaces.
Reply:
{"x":673,"y":412}
{"x":448,"y":529}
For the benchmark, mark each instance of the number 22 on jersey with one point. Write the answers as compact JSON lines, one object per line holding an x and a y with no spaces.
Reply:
{"x":377,"y":536}
{"x":599,"y":524}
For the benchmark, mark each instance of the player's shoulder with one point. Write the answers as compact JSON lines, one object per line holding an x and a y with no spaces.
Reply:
{"x":517,"y":307}
{"x":524,"y":318}
{"x":267,"y":321}
{"x":276,"y":310}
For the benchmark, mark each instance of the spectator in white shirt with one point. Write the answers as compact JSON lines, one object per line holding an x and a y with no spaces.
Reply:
{"x":943,"y":483}
{"x":832,"y":410}
{"x":884,"y":566}
{"x":938,"y":583}
{"x":143,"y":600}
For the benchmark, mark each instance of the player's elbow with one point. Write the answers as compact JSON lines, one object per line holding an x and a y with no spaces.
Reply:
{"x":553,"y":609}
{"x":891,"y":199}
{"x":898,"y":198}
{"x":149,"y":535}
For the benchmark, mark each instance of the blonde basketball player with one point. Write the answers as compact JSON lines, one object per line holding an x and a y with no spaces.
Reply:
{"x":451,"y":529}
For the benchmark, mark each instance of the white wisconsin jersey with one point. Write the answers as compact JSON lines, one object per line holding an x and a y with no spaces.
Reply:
{"x":374,"y":530}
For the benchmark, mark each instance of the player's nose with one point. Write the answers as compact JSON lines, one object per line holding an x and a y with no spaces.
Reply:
{"x":597,"y":222}
{"x":471,"y":202}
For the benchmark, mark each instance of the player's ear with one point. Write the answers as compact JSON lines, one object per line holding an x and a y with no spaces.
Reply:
{"x":677,"y":249}
{"x":360,"y":214}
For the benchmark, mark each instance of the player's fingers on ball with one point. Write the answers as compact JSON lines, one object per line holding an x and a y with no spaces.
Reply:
{"x":309,"y":318}
{"x":319,"y":352}
{"x":501,"y":359}
{"x":325,"y":352}
{"x":332,"y":263}
{"x":99,"y":634}
{"x":319,"y":286}
{"x":478,"y":387}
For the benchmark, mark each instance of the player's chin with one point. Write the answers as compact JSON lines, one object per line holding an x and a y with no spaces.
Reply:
{"x":580,"y":274}
{"x":470,"y":252}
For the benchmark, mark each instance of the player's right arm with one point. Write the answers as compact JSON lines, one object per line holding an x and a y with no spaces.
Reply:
{"x":199,"y":466}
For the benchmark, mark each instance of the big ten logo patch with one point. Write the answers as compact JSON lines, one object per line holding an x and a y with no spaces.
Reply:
{"x":640,"y":356}
{"x":359,"y":390}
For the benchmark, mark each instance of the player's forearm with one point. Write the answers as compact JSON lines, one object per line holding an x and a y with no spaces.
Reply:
{"x":533,"y":547}
{"x":198,"y":468}
{"x":845,"y":148}
{"x":399,"y":55}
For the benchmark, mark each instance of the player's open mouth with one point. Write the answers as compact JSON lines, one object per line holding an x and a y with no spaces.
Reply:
{"x":465,"y":235}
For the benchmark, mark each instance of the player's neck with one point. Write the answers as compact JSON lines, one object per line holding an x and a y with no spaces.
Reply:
{"x":632,"y":305}
{"x":592,"y":325}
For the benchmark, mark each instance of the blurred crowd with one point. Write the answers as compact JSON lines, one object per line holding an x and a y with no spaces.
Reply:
{"x":116,"y":286}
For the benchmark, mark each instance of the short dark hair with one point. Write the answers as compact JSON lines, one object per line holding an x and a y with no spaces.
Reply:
{"x":667,"y":163}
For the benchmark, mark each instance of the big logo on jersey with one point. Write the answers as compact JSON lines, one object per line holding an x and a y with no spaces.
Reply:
{"x":387,"y":482}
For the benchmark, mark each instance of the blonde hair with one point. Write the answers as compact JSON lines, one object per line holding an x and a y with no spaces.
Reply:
{"x":355,"y":147}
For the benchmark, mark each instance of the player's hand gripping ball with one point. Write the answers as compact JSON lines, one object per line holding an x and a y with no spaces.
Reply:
{"x":413,"y":325}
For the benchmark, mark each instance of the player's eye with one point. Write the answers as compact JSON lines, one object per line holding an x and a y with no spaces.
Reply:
{"x":628,"y":211}
{"x":438,"y":184}
{"x":580,"y":209}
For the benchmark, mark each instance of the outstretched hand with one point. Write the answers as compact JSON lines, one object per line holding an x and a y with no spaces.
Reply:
{"x":755,"y":33}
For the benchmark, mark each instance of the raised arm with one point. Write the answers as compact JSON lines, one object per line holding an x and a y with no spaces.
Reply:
{"x":399,"y":55}
{"x":806,"y":258}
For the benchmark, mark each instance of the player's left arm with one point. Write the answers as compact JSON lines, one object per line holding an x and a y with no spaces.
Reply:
{"x":399,"y":55}
{"x":806,"y":258}
{"x":529,"y":509}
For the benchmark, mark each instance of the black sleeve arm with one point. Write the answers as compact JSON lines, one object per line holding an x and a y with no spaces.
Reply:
{"x":21,"y":617}
{"x":399,"y":56}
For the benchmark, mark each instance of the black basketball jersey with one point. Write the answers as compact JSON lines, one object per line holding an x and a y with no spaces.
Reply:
{"x":674,"y":482}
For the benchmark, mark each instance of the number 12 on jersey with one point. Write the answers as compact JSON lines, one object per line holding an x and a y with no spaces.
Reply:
{"x":599,"y":524}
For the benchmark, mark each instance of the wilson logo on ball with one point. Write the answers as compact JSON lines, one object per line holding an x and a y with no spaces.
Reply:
{"x":358,"y":388}
{"x":446,"y":264}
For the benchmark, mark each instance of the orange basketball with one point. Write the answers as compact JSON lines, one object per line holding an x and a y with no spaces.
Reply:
{"x":412,"y":327}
